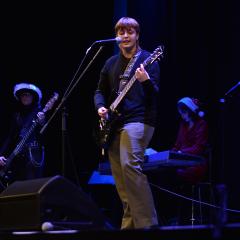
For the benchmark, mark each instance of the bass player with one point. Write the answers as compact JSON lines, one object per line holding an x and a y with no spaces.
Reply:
{"x":135,"y":127}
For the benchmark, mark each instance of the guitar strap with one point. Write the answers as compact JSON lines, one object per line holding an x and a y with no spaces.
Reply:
{"x":125,"y":76}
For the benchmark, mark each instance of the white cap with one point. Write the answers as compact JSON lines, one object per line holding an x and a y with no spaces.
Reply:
{"x":189,"y":102}
{"x":27,"y":86}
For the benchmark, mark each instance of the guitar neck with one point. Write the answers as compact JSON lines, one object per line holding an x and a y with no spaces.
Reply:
{"x":125,"y":90}
{"x":35,"y":122}
{"x":21,"y":144}
{"x":119,"y":98}
{"x":18,"y":149}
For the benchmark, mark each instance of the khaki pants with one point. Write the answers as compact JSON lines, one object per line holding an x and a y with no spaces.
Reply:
{"x":126,"y":155}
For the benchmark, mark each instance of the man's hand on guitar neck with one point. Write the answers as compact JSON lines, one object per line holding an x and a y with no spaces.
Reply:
{"x":141,"y":74}
{"x":103,"y":112}
{"x":41,"y":117}
{"x":2,"y":160}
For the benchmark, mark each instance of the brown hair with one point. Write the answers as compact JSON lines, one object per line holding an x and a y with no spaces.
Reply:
{"x":127,"y":22}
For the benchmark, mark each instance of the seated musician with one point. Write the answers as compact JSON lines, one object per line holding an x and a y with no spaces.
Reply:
{"x":192,"y":138}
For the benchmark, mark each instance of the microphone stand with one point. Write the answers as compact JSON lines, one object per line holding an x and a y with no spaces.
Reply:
{"x":221,"y":188}
{"x":64,"y":137}
{"x":70,"y":88}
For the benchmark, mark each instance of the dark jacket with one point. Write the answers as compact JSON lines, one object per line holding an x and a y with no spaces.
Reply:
{"x":140,"y":102}
{"x":20,"y":123}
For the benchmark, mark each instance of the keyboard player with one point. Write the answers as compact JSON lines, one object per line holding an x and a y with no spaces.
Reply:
{"x":192,"y":138}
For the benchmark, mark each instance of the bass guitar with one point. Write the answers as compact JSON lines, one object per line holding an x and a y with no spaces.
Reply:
{"x":106,"y":125}
{"x":5,"y":171}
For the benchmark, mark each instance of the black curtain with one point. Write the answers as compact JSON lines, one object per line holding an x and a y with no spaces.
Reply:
{"x":45,"y":44}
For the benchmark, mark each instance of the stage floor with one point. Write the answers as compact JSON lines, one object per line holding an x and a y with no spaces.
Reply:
{"x":203,"y":232}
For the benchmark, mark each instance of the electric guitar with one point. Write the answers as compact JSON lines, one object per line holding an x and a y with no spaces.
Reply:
{"x":5,"y":171}
{"x":106,"y":125}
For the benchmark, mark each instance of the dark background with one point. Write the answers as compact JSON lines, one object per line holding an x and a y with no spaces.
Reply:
{"x":44,"y":44}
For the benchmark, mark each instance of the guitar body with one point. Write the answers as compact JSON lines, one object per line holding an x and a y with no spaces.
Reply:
{"x":5,"y":171}
{"x":5,"y":178}
{"x":106,"y":130}
{"x":104,"y":134}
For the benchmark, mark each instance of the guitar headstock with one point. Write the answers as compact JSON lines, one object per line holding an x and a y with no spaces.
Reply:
{"x":156,"y":55}
{"x":51,"y":102}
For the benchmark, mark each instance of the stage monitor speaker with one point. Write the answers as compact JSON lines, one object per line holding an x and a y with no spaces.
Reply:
{"x":26,"y":205}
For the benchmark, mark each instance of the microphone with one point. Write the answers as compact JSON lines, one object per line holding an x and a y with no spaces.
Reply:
{"x":102,"y":42}
{"x":117,"y":39}
{"x":230,"y":92}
